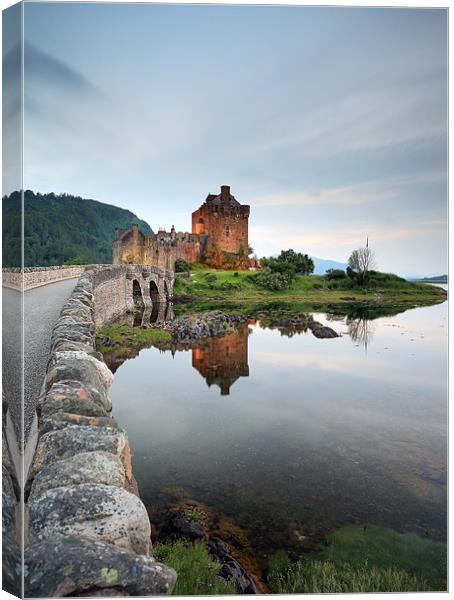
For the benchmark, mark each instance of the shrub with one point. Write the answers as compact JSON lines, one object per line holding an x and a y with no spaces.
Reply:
{"x":182,"y":265}
{"x":335,"y":274}
{"x":272,"y":280}
{"x":210,"y":277}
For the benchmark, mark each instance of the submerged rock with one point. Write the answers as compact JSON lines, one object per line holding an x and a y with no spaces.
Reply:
{"x":110,"y":514}
{"x":68,"y":566}
{"x":321,"y":331}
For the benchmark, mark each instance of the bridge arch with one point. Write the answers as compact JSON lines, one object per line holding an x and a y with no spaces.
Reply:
{"x":137,"y":296}
{"x":154,"y":292}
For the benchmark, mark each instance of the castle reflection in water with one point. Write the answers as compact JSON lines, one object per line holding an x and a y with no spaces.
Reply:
{"x":221,"y":361}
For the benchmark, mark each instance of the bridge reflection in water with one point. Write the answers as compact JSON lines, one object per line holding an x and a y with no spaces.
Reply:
{"x":158,"y":311}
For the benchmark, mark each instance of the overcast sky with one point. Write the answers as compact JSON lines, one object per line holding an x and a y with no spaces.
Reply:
{"x":330,"y":122}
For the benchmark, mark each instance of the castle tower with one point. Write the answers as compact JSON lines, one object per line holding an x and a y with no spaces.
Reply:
{"x":224,"y":220}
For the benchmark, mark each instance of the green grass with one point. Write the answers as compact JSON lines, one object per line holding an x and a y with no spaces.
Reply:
{"x":386,"y":548}
{"x":384,"y":289}
{"x":122,"y":337}
{"x":316,"y":577}
{"x":364,"y":559}
{"x":197,"y":572}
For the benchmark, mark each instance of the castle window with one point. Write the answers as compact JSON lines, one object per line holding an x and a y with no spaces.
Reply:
{"x":201,"y":220}
{"x":227,"y":231}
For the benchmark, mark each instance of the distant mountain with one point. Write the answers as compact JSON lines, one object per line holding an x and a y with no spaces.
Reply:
{"x":322,"y":265}
{"x":434,"y":279}
{"x":61,"y":228}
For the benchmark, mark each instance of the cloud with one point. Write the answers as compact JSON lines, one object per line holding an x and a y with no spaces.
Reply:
{"x":49,"y":71}
{"x":359,"y":193}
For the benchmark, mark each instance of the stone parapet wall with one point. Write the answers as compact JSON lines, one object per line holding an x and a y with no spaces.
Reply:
{"x":88,"y":531}
{"x":31,"y":277}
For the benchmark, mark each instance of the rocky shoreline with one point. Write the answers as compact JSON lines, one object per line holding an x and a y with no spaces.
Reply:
{"x":190,"y":328}
{"x":187,"y":328}
{"x":303,"y":323}
{"x":179,"y":526}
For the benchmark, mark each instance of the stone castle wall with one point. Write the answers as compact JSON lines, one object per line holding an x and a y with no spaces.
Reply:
{"x":221,"y":221}
{"x":227,"y":227}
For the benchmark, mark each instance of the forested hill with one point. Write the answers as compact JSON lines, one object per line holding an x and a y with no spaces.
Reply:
{"x":62,"y":228}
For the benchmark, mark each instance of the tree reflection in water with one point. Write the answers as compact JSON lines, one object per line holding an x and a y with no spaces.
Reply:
{"x":361,"y":330}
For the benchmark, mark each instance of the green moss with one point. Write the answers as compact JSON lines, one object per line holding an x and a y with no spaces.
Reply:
{"x":120,"y":339}
{"x":195,"y":515}
{"x":364,"y":559}
{"x":195,"y":568}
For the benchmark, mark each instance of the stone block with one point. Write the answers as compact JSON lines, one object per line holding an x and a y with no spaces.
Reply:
{"x":67,"y":566}
{"x":79,"y":366}
{"x":75,"y":397}
{"x":73,"y":440}
{"x":109,"y":514}
{"x":87,"y":467}
{"x":60,"y":420}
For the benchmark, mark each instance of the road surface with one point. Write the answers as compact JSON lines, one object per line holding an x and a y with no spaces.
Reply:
{"x":42,"y":307}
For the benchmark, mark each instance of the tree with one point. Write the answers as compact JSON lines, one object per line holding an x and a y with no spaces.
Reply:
{"x":362,"y":261}
{"x":304,"y":265}
{"x":77,"y":260}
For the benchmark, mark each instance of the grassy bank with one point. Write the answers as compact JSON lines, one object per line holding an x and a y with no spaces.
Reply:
{"x":207,"y":287}
{"x":197,"y":571}
{"x":364,"y":559}
{"x":122,"y":338}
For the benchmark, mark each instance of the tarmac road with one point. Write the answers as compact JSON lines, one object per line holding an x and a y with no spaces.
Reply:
{"x":42,"y":307}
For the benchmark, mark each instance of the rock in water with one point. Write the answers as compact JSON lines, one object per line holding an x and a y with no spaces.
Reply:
{"x":231,"y":569}
{"x":321,"y":331}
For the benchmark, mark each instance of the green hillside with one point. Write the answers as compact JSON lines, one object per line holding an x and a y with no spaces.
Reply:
{"x":62,"y":228}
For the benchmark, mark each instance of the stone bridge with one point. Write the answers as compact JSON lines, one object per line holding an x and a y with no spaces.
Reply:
{"x":125,"y":288}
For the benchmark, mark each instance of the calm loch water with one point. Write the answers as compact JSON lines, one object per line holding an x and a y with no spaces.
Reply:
{"x":293,"y":437}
